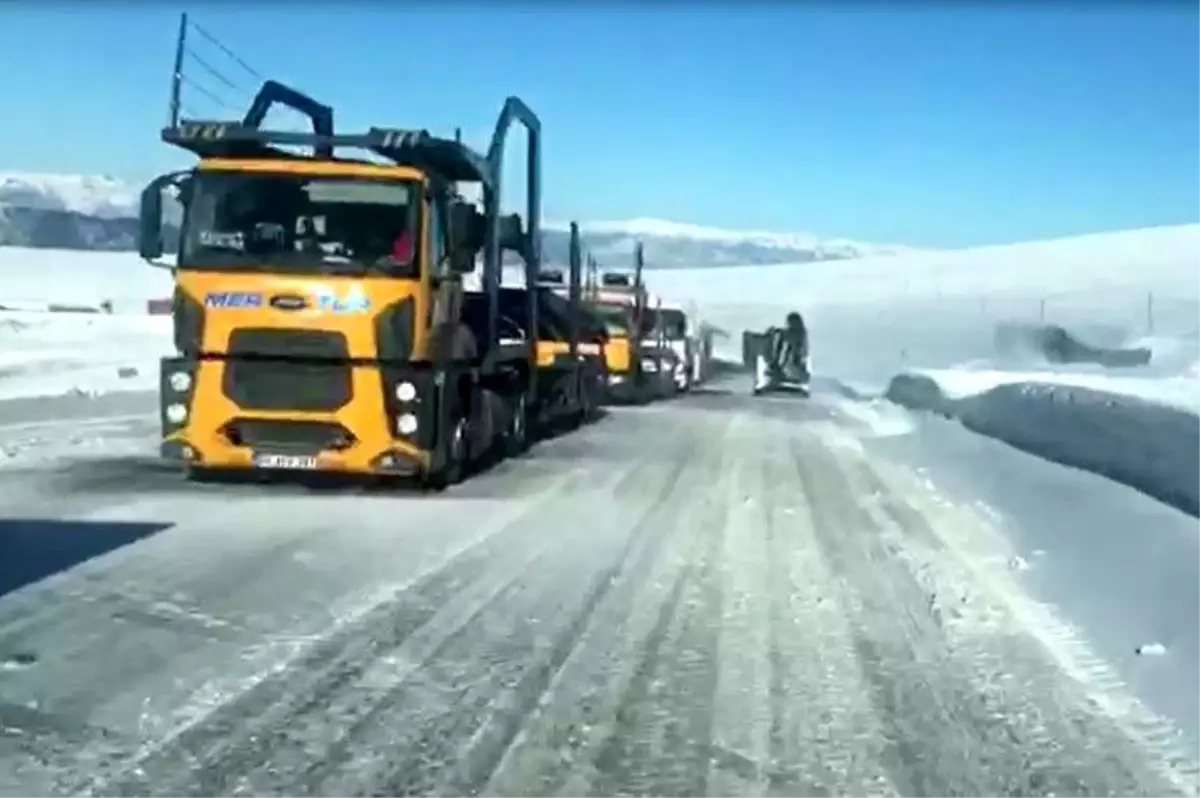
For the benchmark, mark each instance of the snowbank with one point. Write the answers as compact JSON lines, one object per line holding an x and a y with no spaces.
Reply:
{"x":1180,"y":390}
{"x":1148,"y":445}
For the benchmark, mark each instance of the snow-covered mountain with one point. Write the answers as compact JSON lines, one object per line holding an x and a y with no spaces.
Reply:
{"x":96,"y":212}
{"x":679,"y":245}
{"x":89,"y":195}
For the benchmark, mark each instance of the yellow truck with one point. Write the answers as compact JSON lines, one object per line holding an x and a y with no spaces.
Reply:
{"x":321,"y":321}
{"x":639,"y":361}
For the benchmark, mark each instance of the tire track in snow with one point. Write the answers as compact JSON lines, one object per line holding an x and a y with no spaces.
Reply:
{"x":1142,"y":746}
{"x":825,"y":737}
{"x":328,"y":705}
{"x":296,"y":673}
{"x":571,"y":744}
{"x":659,"y":743}
{"x":976,"y":712}
{"x":514,"y":650}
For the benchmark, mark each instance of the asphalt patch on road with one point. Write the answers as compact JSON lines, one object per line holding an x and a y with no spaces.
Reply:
{"x":32,"y":549}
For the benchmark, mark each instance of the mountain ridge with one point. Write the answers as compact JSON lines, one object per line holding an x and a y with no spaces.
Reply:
{"x":98,"y":212}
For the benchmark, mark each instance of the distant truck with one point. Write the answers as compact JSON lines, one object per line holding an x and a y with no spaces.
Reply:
{"x":690,"y":343}
{"x":637,"y":368}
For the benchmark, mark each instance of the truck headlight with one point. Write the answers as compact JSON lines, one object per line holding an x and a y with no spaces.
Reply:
{"x":406,"y":424}
{"x":180,"y":381}
{"x":176,"y":413}
{"x":406,"y":392}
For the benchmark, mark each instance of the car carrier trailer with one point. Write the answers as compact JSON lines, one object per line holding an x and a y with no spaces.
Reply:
{"x":320,"y":317}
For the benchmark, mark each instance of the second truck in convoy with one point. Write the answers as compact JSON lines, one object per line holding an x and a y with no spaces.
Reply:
{"x":320,"y":317}
{"x":652,"y":350}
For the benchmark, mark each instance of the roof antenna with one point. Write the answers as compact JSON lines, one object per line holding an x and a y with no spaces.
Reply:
{"x":177,"y":70}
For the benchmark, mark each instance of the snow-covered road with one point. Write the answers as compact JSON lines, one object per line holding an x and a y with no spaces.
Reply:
{"x":713,"y":596}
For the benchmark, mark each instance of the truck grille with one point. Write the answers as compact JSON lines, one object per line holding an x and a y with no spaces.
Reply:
{"x":272,"y":369}
{"x":301,"y":437}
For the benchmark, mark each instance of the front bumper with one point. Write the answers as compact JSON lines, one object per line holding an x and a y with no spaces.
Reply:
{"x":375,"y":431}
{"x":625,"y":388}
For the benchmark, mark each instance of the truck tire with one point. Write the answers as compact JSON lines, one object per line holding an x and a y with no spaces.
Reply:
{"x":454,"y":467}
{"x":516,"y":437}
{"x":588,"y":396}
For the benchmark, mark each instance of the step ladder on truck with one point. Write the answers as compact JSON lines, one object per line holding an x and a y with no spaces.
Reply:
{"x":320,"y":317}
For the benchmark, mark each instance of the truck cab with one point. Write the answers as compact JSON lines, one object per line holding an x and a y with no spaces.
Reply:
{"x":319,"y":304}
{"x":636,"y":362}
{"x":671,"y":326}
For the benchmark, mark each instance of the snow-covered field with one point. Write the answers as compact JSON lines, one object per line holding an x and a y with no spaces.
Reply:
{"x":37,"y":277}
{"x":49,"y":354}
{"x":929,"y":313}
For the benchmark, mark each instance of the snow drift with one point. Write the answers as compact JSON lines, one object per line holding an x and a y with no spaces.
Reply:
{"x":1147,"y":445}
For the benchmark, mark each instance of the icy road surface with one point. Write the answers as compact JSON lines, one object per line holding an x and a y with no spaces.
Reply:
{"x":717,"y":596}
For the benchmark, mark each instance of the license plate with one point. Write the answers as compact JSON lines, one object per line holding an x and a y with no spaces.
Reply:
{"x":288,"y":461}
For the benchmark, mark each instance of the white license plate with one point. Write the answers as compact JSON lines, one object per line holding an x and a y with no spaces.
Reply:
{"x":289,"y":461}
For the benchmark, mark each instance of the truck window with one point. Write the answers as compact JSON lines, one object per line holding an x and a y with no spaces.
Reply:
{"x":301,"y":224}
{"x":438,"y":242}
{"x":615,"y":318}
{"x":670,"y":323}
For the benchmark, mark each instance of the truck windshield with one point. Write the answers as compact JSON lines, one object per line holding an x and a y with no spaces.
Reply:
{"x":300,"y":224}
{"x":672,"y":324}
{"x":614,"y":316}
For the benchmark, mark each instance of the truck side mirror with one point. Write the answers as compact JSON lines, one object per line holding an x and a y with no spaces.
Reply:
{"x":150,"y":240}
{"x":467,"y":233}
{"x":512,"y":237}
{"x":183,"y":190}
{"x":150,"y":213}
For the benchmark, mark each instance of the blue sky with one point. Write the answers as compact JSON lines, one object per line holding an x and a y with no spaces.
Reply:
{"x":938,"y":124}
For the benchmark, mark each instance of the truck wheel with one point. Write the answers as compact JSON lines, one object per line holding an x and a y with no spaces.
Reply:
{"x":202,"y":476}
{"x":516,"y":437}
{"x":451,"y":471}
{"x":587,"y":399}
{"x":596,"y":390}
